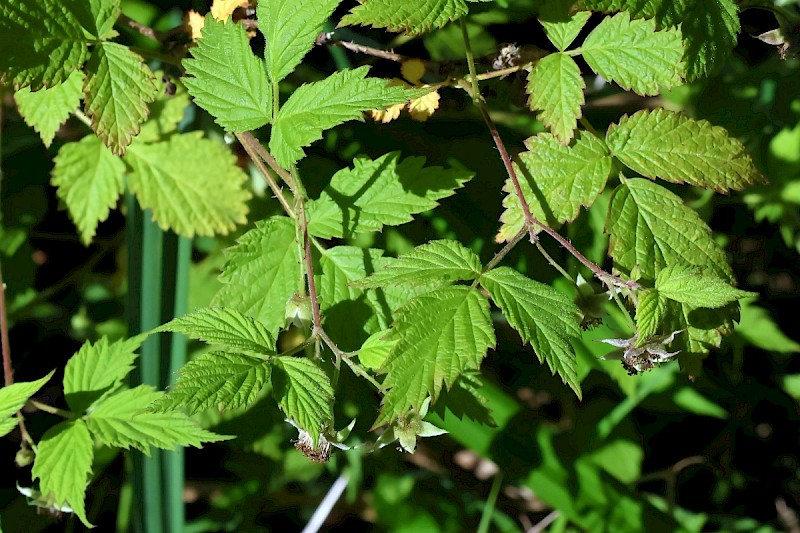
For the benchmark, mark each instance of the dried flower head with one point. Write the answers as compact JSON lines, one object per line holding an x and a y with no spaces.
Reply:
{"x":641,"y":358}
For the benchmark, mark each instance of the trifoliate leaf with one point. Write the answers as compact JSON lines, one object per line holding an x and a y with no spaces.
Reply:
{"x":46,"y":109}
{"x":381,"y":191}
{"x":89,"y":180}
{"x":13,"y":397}
{"x":117,"y":90}
{"x":375,"y":350}
{"x":544,"y":317}
{"x":290,"y":29}
{"x":435,"y":261}
{"x":223,"y":9}
{"x":422,"y":108}
{"x":303,"y":392}
{"x":125,"y":421}
{"x":42,"y":42}
{"x":192,"y":184}
{"x":440,"y":335}
{"x":410,"y":17}
{"x":634,"y":55}
{"x":679,"y":149}
{"x":224,"y":327}
{"x":692,"y":287}
{"x":318,"y":106}
{"x":261,"y":272}
{"x":226,"y":79}
{"x":555,"y":86}
{"x":216,"y":379}
{"x":565,"y":177}
{"x":649,"y":314}
{"x":63,"y":464}
{"x":562,"y":32}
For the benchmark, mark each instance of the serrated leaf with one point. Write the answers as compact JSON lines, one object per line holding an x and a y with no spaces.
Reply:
{"x":224,"y":327}
{"x":440,"y":335}
{"x":649,"y":314}
{"x":192,"y":184}
{"x":47,"y":109}
{"x":542,"y":316}
{"x":375,"y":350}
{"x":435,"y":261}
{"x":13,"y":397}
{"x":42,"y":42}
{"x":342,"y":265}
{"x":692,"y":287}
{"x":97,"y":370}
{"x":117,"y":89}
{"x":216,"y":379}
{"x":565,"y":177}
{"x":227,"y":79}
{"x":89,"y":180}
{"x":381,"y":191}
{"x":555,"y":86}
{"x":303,"y":392}
{"x":562,"y":32}
{"x":650,"y":227}
{"x":679,"y":149}
{"x":318,"y":106}
{"x":262,"y":272}
{"x":634,"y":55}
{"x":98,"y":17}
{"x":290,"y":29}
{"x":63,"y":463}
{"x":412,"y":18}
{"x":124,"y":420}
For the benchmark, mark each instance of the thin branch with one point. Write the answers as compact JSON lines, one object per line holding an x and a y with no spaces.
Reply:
{"x":147,"y":31}
{"x":247,"y":141}
{"x":327,"y":38}
{"x":258,"y":148}
{"x":312,"y":285}
{"x":8,"y":372}
{"x":52,"y":410}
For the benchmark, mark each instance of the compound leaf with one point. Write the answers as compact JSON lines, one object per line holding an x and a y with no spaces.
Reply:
{"x":410,"y":17}
{"x":225,"y":327}
{"x":555,"y":87}
{"x":303,"y":392}
{"x":46,"y":110}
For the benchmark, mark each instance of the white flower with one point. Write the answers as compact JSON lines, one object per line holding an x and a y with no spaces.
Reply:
{"x":636,"y":359}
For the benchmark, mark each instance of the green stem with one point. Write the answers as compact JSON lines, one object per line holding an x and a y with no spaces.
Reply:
{"x":553,"y":262}
{"x":491,"y":501}
{"x":53,"y":410}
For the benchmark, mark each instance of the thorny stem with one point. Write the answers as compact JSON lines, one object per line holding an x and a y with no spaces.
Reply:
{"x":327,"y":38}
{"x":248,"y":141}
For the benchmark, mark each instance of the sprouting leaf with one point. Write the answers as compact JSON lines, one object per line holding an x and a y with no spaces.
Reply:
{"x":124,"y":421}
{"x":117,"y":90}
{"x":384,"y":191}
{"x":46,"y":109}
{"x":440,"y":335}
{"x":63,"y":463}
{"x":435,"y":261}
{"x":290,"y":29}
{"x":224,"y":327}
{"x":303,"y":392}
{"x":13,"y":397}
{"x":261,"y":270}
{"x":555,"y":86}
{"x":410,"y":17}
{"x":676,"y":148}
{"x":422,"y":108}
{"x":562,"y":29}
{"x":544,"y":317}
{"x":192,"y":184}
{"x":89,"y":180}
{"x":226,"y":79}
{"x":318,"y":106}
{"x":692,"y":287}
{"x":649,"y":313}
{"x":634,"y":55}
{"x":97,"y":370}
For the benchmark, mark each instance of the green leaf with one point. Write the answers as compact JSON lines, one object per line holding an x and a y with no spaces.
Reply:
{"x":13,"y":397}
{"x":562,"y":32}
{"x":649,"y":314}
{"x":192,"y":184}
{"x":315,"y":107}
{"x":375,"y":350}
{"x":63,"y":464}
{"x":679,"y":149}
{"x":342,"y":265}
{"x":691,"y":286}
{"x":97,"y":370}
{"x":216,"y":379}
{"x":651,"y":228}
{"x":290,"y":29}
{"x":634,"y":55}
{"x":225,"y":327}
{"x":124,"y":420}
{"x":117,"y":90}
{"x":759,"y":329}
{"x":304,"y":393}
{"x":565,"y":177}
{"x":42,"y":42}
{"x":47,"y":109}
{"x":100,"y":17}
{"x":440,"y":335}
{"x":228,"y":80}
{"x":89,"y":180}
{"x":435,"y":261}
{"x":381,"y":191}
{"x":555,"y":87}
{"x":544,"y":317}
{"x":262,"y":272}
{"x":410,"y":17}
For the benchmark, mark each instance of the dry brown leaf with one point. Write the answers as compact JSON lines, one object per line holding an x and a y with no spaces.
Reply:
{"x":423,"y":107}
{"x":222,"y":9}
{"x":195,"y":21}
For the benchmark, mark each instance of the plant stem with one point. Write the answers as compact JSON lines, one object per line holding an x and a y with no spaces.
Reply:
{"x":8,"y":372}
{"x":553,"y":262}
{"x":327,"y":38}
{"x":262,"y":152}
{"x":52,"y":410}
{"x":491,"y":501}
{"x":507,"y":248}
{"x":247,"y":141}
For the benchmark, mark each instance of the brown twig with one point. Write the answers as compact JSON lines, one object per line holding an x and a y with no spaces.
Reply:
{"x":147,"y":31}
{"x":246,"y":137}
{"x":8,"y":372}
{"x":327,"y":39}
{"x":248,"y":142}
